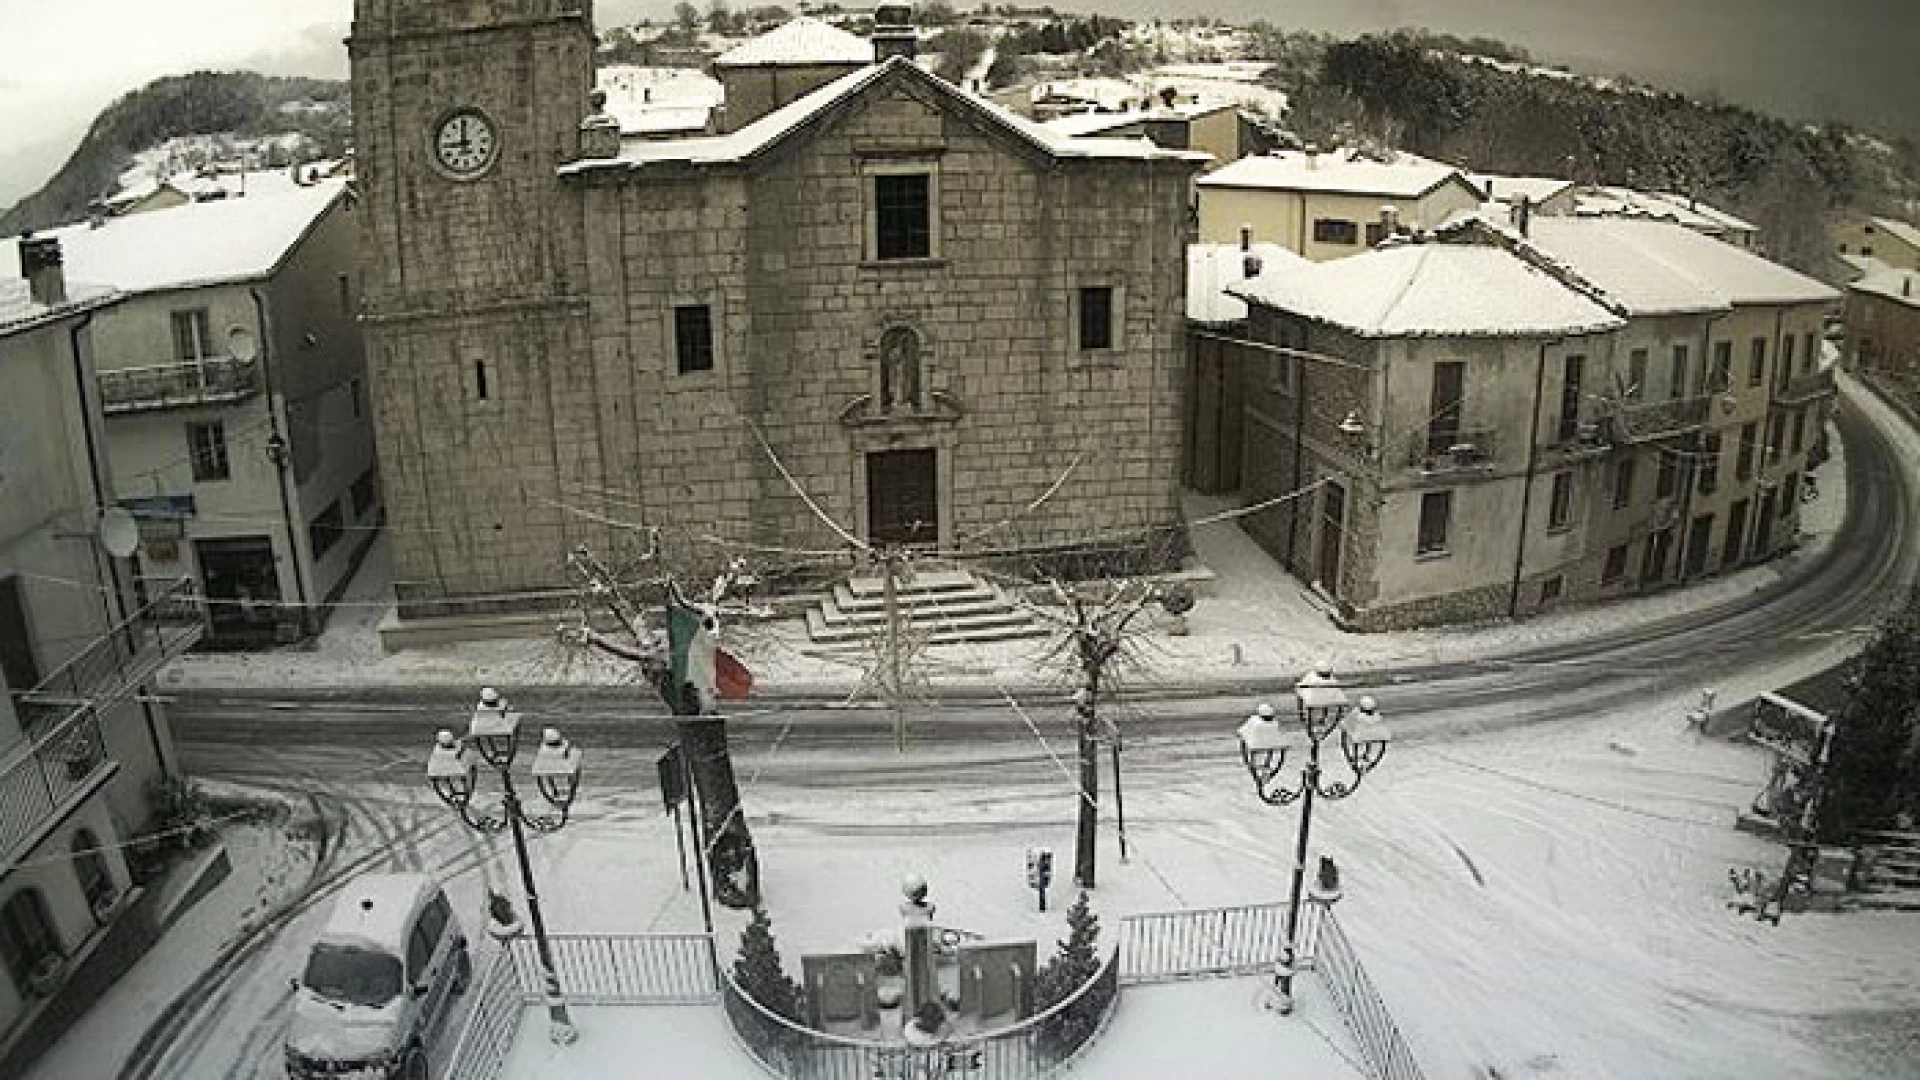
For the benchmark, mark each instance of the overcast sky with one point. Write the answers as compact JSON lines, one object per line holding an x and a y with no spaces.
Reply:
{"x":61,"y":61}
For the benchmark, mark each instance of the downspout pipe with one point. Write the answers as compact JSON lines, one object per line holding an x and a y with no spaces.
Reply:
{"x":1526,"y":487}
{"x":279,"y":452}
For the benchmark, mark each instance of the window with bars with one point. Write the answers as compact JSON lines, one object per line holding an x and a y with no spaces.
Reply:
{"x":903,"y":227}
{"x":207,"y":450}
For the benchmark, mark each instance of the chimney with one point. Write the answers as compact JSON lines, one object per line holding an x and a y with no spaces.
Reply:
{"x":599,"y":132}
{"x":96,"y":213}
{"x":1523,"y":215}
{"x":41,"y":264}
{"x":1249,"y":262}
{"x":893,"y":32}
{"x":1313,"y":156}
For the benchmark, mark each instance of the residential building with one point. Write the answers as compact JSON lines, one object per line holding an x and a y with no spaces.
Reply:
{"x":237,"y":416}
{"x":81,"y":736}
{"x":1218,"y":128}
{"x":1883,"y":330}
{"x":1491,"y":423}
{"x":1328,"y":206}
{"x":1543,"y":194}
{"x":1690,"y":213}
{"x":882,"y":307}
{"x":1892,"y":241}
{"x":1217,"y":338}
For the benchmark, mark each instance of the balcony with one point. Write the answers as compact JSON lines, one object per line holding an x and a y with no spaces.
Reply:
{"x":119,"y":661}
{"x":1641,"y":422}
{"x":42,"y":777}
{"x":1445,"y":450}
{"x":214,"y":380}
{"x":1802,"y":388}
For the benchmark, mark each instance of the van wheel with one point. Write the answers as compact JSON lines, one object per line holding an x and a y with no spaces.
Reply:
{"x":416,"y":1065}
{"x":462,"y":972}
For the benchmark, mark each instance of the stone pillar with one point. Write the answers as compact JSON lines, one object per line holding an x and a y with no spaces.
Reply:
{"x":922,"y":984}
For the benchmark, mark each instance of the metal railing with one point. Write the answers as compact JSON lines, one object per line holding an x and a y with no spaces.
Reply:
{"x":39,"y":775}
{"x":499,"y":1004}
{"x":1387,"y":1055}
{"x":1034,"y":1047}
{"x":1804,"y":387}
{"x":182,"y":383}
{"x":1641,"y":421}
{"x":638,"y":969}
{"x":118,"y":660}
{"x":1210,"y":941}
{"x":1450,"y":449}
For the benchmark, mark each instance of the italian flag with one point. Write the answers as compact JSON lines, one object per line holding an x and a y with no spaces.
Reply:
{"x":697,"y":658}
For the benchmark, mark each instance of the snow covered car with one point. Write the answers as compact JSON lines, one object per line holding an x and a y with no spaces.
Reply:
{"x":378,"y":979}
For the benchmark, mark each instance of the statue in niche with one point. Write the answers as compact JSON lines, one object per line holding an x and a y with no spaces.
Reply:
{"x":900,"y":370}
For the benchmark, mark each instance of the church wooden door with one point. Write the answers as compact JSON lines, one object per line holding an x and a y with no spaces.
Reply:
{"x":903,"y":497}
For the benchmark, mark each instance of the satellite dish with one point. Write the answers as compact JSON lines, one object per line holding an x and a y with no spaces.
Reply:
{"x":119,"y":533}
{"x":241,"y":344}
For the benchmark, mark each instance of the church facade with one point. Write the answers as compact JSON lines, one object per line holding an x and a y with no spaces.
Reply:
{"x":884,"y":307}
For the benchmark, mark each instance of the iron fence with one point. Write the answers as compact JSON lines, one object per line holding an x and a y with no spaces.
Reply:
{"x":1386,"y":1053}
{"x":635,"y":969}
{"x":1036,"y":1047}
{"x":499,"y":1003}
{"x":1201,"y":942}
{"x":39,"y":775}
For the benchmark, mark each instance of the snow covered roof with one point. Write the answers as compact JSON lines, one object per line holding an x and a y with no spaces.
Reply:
{"x":203,"y":243}
{"x":1537,"y":189}
{"x":374,"y":910}
{"x":1661,"y":267}
{"x":653,"y":100}
{"x":1113,"y":95}
{"x":1626,"y":202}
{"x":1340,"y":172}
{"x":799,"y":42}
{"x":1901,"y":286}
{"x":1431,"y":290}
{"x":1212,"y":268}
{"x":1092,"y":123}
{"x":19,"y":311}
{"x":778,"y":124}
{"x":1899,"y":230}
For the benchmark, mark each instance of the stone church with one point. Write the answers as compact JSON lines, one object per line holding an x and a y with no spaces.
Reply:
{"x":867,"y":289}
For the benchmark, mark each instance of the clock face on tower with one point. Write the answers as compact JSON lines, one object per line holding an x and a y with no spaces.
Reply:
{"x":465,"y":143}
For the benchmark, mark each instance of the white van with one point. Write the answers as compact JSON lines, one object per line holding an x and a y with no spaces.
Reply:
{"x":378,"y":980}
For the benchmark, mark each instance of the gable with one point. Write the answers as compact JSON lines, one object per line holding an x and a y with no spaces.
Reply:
{"x":903,"y":111}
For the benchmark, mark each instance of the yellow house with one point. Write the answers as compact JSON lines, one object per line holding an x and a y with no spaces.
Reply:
{"x":1895,"y":243}
{"x":1325,"y":206}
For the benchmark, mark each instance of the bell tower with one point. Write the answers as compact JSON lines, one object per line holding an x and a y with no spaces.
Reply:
{"x":474,"y":301}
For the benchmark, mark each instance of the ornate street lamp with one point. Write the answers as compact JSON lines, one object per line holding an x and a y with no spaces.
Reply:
{"x":1264,"y":745}
{"x":493,"y":739}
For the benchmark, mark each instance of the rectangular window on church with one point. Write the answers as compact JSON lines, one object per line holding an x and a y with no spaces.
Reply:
{"x":693,"y":338}
{"x":1096,"y":317}
{"x":902,"y":217}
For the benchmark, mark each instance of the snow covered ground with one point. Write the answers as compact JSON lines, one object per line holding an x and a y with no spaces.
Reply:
{"x":1254,"y":622}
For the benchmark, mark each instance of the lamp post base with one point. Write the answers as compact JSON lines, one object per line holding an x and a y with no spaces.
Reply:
{"x":1276,"y":998}
{"x":560,"y":1027}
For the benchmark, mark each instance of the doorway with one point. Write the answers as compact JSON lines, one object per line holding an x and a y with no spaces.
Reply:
{"x":903,"y":497}
{"x":242,"y":587}
{"x":1333,"y":527}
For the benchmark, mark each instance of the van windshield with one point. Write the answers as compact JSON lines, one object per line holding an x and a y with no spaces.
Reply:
{"x":354,"y":976}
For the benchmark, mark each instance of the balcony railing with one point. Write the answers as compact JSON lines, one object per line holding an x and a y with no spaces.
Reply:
{"x":1638,"y":422}
{"x":40,"y":775}
{"x":1803,"y":387}
{"x":1452,"y":449}
{"x":210,"y":381}
{"x":118,"y":661}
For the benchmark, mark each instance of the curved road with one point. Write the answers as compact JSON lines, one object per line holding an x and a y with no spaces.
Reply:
{"x":1811,"y":618}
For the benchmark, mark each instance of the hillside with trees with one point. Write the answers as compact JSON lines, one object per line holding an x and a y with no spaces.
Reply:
{"x":239,"y":103}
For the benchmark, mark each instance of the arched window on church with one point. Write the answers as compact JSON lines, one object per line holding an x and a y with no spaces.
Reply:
{"x":90,"y":866}
{"x":28,"y":943}
{"x":899,"y":370}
